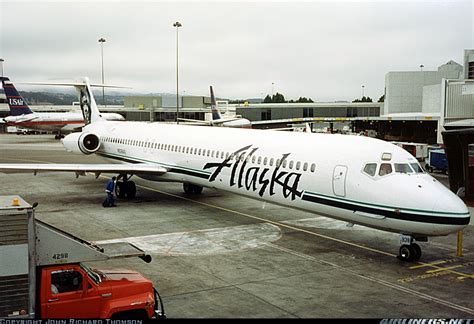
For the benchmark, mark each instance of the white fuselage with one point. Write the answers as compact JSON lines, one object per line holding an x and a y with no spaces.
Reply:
{"x":61,"y":121}
{"x":320,"y":173}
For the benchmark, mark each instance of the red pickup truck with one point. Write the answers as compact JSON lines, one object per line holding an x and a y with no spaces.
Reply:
{"x":77,"y":291}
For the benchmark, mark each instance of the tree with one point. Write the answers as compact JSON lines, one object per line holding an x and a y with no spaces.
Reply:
{"x":381,"y":99}
{"x":267,"y":99}
{"x":363,"y":99}
{"x":278,"y":98}
{"x":304,"y":99}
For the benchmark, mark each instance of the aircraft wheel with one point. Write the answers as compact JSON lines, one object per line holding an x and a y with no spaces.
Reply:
{"x":197,"y":190}
{"x":120,"y":189}
{"x":407,"y":253}
{"x":192,"y":189}
{"x":187,"y":187}
{"x":131,"y":189}
{"x":417,"y":250}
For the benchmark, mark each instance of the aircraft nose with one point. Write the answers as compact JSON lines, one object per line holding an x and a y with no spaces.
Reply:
{"x":450,"y":206}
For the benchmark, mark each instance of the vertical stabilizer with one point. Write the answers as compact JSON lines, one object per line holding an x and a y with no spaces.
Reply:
{"x":17,"y":104}
{"x":215,"y":112}
{"x":89,"y":108}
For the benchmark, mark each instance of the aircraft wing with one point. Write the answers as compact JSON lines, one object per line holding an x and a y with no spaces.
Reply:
{"x":195,"y":121}
{"x":225,"y":120}
{"x":81,"y":169}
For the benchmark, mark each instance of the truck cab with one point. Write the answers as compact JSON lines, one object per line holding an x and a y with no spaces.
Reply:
{"x":78,"y":291}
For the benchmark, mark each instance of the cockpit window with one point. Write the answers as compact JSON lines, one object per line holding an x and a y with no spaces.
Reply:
{"x":403,"y":168}
{"x":370,"y":169}
{"x":385,"y":168}
{"x":416,"y":167}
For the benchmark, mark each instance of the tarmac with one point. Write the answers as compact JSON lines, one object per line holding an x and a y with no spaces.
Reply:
{"x":220,"y":255}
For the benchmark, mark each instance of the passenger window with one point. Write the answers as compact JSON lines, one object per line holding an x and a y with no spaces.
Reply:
{"x":265,"y":161}
{"x":271,"y":162}
{"x":403,"y":168}
{"x":259,"y":160}
{"x":65,"y":281}
{"x":370,"y":169}
{"x":277,"y":164}
{"x":222,"y":155}
{"x":298,"y":164}
{"x":284,"y":163}
{"x":313,"y":167}
{"x":254,"y":158}
{"x":291,"y":164}
{"x":385,"y":168}
{"x":305,"y":166}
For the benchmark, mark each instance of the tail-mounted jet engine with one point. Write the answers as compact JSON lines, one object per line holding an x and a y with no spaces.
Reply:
{"x":85,"y":143}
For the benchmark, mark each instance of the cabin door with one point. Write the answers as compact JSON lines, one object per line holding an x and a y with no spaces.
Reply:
{"x":339,"y":180}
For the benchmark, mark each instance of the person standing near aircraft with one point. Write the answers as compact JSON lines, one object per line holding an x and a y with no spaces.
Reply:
{"x":109,"y":189}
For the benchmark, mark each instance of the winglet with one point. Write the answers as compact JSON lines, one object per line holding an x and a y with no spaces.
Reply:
{"x":17,"y":104}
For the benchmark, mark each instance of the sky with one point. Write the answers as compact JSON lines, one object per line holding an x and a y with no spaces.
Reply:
{"x":325,"y":50}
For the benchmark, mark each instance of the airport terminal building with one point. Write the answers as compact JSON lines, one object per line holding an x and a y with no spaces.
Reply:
{"x":418,"y":106}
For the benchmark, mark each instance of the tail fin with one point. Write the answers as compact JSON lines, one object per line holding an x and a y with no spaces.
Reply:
{"x":17,"y":104}
{"x":215,"y":112}
{"x":89,"y":108}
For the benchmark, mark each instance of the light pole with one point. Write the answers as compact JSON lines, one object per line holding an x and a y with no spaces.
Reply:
{"x":102,"y":41}
{"x":177,"y":25}
{"x":363,"y":91}
{"x":1,"y":62}
{"x":421,"y":67}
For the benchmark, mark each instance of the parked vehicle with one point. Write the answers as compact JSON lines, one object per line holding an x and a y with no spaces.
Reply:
{"x":437,"y":161}
{"x":41,"y":274}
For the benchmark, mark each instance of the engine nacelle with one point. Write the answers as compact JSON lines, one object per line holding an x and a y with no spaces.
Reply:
{"x":85,"y":143}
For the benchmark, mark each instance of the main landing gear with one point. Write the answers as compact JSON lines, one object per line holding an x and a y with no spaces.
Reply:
{"x":410,"y":251}
{"x":58,"y":136}
{"x":192,"y":189}
{"x":126,"y":188}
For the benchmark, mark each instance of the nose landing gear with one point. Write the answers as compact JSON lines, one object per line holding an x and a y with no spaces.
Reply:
{"x":410,"y":251}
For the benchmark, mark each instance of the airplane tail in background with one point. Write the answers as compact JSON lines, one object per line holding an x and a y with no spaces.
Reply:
{"x":215,"y":112}
{"x":89,"y":108}
{"x":17,"y":104}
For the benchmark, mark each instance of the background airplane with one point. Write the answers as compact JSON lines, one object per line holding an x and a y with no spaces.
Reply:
{"x":58,"y":122}
{"x":217,"y":119}
{"x":356,"y":179}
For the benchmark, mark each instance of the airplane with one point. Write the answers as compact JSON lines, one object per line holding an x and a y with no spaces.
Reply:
{"x":60,"y":122}
{"x":218,"y":120}
{"x":357,"y":179}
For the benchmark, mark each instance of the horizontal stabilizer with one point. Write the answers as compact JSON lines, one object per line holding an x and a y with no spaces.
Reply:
{"x":75,"y":84}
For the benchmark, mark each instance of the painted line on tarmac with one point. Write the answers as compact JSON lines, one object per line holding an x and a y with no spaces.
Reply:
{"x":205,"y":241}
{"x":270,"y":221}
{"x":432,"y":264}
{"x":459,"y":274}
{"x":378,"y":281}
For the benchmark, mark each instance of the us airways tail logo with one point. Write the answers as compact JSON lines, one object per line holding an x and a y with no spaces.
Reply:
{"x":16,"y":102}
{"x":257,"y":178}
